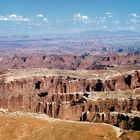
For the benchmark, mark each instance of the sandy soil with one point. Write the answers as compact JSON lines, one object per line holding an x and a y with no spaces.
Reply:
{"x":23,"y":127}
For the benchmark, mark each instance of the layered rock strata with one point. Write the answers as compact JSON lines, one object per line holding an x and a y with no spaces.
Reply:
{"x":80,"y":99}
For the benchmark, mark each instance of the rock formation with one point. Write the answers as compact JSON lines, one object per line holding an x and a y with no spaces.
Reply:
{"x":69,"y":62}
{"x":70,"y":98}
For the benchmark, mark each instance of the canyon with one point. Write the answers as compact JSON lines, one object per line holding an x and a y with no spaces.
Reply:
{"x":68,"y":61}
{"x":74,"y":80}
{"x":95,"y":97}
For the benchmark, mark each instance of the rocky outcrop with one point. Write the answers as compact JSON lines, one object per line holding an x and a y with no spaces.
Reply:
{"x":123,"y":82}
{"x":115,"y":112}
{"x":60,"y":84}
{"x":68,"y":98}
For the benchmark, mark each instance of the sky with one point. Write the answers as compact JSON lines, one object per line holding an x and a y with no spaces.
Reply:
{"x":68,"y":16}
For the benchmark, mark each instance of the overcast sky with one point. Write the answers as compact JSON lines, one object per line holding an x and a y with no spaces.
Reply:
{"x":68,"y":16}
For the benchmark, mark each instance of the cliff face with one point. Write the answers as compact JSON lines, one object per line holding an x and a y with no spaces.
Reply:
{"x":60,"y":84}
{"x":123,"y":82}
{"x":112,"y":111}
{"x":67,"y":98}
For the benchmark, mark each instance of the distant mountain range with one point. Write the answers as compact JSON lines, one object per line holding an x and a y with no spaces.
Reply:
{"x":109,"y":33}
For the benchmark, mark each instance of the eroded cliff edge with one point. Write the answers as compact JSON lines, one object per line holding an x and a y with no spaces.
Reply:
{"x":110,"y":96}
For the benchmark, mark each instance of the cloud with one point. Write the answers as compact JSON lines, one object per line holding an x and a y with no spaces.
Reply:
{"x":42,"y":18}
{"x":96,"y":21}
{"x":103,"y":19}
{"x":39,"y":16}
{"x":81,"y":18}
{"x":134,"y":15}
{"x":45,"y":20}
{"x":116,"y":22}
{"x":109,"y":15}
{"x":135,"y":21}
{"x":78,"y":18}
{"x":99,"y":20}
{"x":15,"y":18}
{"x":25,"y":20}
